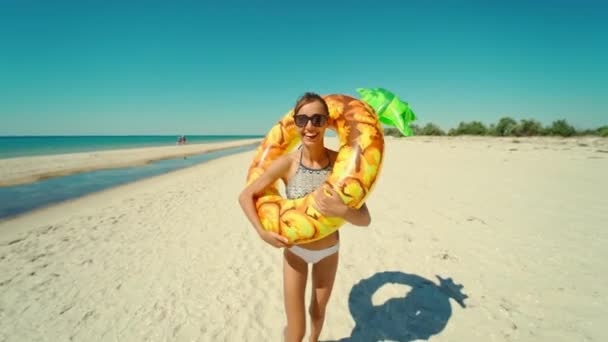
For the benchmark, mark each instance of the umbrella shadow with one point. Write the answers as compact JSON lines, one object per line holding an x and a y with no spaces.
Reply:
{"x":422,"y":313}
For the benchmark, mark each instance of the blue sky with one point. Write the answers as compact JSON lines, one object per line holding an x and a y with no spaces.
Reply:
{"x":229,"y":67}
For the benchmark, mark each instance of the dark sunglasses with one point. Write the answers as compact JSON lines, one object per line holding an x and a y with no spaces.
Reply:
{"x":318,"y":120}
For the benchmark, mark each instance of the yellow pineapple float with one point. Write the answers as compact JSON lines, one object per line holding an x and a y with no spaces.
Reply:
{"x":357,"y":166}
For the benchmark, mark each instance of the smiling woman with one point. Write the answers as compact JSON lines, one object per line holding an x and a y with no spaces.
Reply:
{"x":354,"y":172}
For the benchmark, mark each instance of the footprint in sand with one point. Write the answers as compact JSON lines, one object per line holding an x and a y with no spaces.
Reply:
{"x":15,"y":241}
{"x":86,"y":262}
{"x":37,"y":257}
{"x":87,"y":315}
{"x":473,"y":218}
{"x":66,"y":308}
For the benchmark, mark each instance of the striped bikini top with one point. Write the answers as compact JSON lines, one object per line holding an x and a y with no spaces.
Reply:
{"x":306,"y":180}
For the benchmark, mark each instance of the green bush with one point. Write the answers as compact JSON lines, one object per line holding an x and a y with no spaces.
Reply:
{"x":527,"y":128}
{"x":546,"y":131}
{"x":469,"y":128}
{"x":416,"y":129}
{"x":588,"y":132}
{"x":431,"y":129}
{"x":492,"y":130}
{"x":505,"y":127}
{"x":562,"y":128}
{"x":392,"y":132}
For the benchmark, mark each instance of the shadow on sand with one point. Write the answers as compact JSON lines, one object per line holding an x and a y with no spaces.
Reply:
{"x":423,"y":312}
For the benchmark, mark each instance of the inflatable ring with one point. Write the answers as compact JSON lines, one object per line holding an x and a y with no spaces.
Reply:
{"x":353,"y":175}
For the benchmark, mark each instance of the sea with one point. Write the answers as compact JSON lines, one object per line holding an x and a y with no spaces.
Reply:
{"x":20,"y":199}
{"x":20,"y":146}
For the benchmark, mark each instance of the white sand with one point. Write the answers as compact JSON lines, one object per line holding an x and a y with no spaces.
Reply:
{"x":522,"y":226}
{"x":22,"y":170}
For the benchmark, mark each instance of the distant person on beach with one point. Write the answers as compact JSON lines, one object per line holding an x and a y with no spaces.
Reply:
{"x":303,"y":171}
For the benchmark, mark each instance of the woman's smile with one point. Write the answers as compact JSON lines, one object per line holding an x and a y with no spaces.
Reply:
{"x":311,"y":136}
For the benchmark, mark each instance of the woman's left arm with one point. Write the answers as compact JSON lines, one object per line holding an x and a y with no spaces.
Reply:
{"x":333,"y":206}
{"x":358,"y":217}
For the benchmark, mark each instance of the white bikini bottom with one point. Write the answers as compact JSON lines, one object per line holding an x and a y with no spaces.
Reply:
{"x":314,"y":256}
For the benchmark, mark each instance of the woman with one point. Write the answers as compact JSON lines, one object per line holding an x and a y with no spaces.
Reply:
{"x":303,"y":171}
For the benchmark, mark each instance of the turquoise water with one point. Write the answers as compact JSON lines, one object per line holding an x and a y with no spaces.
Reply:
{"x":43,"y":145}
{"x":19,"y":199}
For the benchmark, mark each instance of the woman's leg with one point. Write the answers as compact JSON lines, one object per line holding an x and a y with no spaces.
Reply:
{"x":295,"y":273}
{"x":323,"y":276}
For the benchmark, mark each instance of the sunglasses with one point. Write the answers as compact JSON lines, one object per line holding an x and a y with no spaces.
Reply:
{"x":318,"y":120}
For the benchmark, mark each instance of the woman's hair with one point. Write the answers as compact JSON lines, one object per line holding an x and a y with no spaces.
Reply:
{"x":309,"y":98}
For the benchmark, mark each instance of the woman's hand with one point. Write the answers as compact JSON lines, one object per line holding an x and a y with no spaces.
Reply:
{"x":274,"y":239}
{"x":332,"y":205}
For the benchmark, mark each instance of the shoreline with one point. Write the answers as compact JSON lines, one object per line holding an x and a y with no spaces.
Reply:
{"x":53,"y":211}
{"x":19,"y":208}
{"x":26,"y":170}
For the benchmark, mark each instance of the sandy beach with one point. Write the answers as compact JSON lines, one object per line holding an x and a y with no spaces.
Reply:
{"x":23,"y":170}
{"x":472,"y":239}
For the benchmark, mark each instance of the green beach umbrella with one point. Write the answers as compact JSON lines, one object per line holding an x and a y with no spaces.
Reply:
{"x":389,"y":108}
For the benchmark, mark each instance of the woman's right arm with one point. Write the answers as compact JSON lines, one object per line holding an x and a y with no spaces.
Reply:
{"x":247,"y":198}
